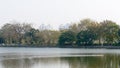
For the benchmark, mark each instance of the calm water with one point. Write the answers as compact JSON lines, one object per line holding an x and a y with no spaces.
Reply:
{"x":59,"y":58}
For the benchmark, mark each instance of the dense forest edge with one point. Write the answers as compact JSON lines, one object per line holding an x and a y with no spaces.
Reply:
{"x":86,"y":33}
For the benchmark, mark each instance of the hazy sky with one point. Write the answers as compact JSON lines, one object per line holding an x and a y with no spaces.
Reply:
{"x":56,"y":12}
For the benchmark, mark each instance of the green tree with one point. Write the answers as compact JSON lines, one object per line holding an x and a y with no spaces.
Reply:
{"x":110,"y":31}
{"x":33,"y":37}
{"x":67,"y":38}
{"x":85,"y":37}
{"x":119,"y":36}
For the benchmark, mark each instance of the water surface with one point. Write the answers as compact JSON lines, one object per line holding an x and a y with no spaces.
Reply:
{"x":59,"y":58}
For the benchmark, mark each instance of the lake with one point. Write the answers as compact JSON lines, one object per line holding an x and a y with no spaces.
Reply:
{"x":58,"y":58}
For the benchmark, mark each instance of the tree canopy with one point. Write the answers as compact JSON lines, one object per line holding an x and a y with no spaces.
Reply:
{"x":84,"y":32}
{"x":67,"y":38}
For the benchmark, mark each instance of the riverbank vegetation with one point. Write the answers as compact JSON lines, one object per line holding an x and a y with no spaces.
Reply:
{"x":86,"y":32}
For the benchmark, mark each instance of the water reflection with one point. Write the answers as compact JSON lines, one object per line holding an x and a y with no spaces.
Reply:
{"x":106,"y":61}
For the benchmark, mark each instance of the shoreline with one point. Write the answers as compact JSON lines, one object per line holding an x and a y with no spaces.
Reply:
{"x":85,"y":47}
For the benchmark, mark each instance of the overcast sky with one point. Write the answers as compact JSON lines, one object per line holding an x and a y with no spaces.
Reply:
{"x":56,"y":12}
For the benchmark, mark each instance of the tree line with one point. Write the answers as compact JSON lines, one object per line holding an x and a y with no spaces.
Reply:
{"x":89,"y":32}
{"x":86,"y":32}
{"x":25,"y":34}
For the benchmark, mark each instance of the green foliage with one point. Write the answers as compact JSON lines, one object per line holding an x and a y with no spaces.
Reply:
{"x":85,"y":32}
{"x":110,"y":31}
{"x":119,"y":36}
{"x":85,"y":38}
{"x":32,"y":37}
{"x":67,"y":38}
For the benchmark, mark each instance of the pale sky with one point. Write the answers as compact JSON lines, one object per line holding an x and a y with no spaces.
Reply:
{"x":56,"y":12}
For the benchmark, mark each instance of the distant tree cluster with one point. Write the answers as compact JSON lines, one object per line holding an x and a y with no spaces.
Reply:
{"x":89,"y":32}
{"x":25,"y":34}
{"x":85,"y":32}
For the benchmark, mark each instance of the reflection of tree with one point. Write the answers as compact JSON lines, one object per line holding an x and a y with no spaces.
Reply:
{"x":106,"y":61}
{"x":17,"y":63}
{"x":85,"y":62}
{"x":111,"y":61}
{"x":35,"y":63}
{"x":50,"y":63}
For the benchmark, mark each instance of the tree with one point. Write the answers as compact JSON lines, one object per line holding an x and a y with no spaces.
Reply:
{"x":85,"y":37}
{"x":13,"y":33}
{"x":74,"y":27}
{"x":54,"y":35}
{"x":84,"y":24}
{"x":8,"y":33}
{"x":110,"y":31}
{"x":119,"y":36}
{"x":44,"y":32}
{"x":33,"y":37}
{"x":67,"y":38}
